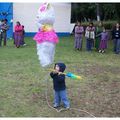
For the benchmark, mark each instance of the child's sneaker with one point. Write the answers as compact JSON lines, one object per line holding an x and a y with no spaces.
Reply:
{"x":99,"y":51}
{"x":103,"y":51}
{"x":24,"y":44}
{"x":55,"y":106}
{"x":67,"y":107}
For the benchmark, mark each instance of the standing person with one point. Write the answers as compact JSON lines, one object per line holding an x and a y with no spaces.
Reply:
{"x":90,"y":36}
{"x":23,"y":35}
{"x":1,"y":22}
{"x":116,"y":38}
{"x":3,"y":34}
{"x":78,"y":36}
{"x":59,"y":86}
{"x":98,"y":31}
{"x":103,"y":40}
{"x":73,"y":31}
{"x":18,"y":34}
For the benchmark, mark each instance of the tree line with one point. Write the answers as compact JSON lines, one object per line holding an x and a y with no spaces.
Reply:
{"x":94,"y":11}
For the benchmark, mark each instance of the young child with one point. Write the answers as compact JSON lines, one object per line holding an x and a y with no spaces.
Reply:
{"x":59,"y":86}
{"x":99,"y":29}
{"x":23,"y":35}
{"x":78,"y":36}
{"x":116,"y":38}
{"x":90,"y":36}
{"x":103,"y":40}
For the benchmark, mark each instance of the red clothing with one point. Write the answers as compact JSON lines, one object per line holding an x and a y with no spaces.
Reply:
{"x":18,"y":28}
{"x":18,"y":35}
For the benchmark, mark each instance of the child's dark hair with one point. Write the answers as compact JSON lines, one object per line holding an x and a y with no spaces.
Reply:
{"x":91,"y":23}
{"x":61,"y":65}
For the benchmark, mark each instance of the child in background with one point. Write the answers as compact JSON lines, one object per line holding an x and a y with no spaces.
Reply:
{"x":116,"y":38}
{"x":103,"y":40}
{"x":99,"y":29}
{"x":90,"y":36}
{"x":59,"y":86}
{"x":78,"y":36}
{"x":23,"y":35}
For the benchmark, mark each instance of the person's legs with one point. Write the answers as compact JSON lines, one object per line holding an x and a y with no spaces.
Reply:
{"x":19,"y":41}
{"x":118,"y":46}
{"x":97,"y":43}
{"x":0,"y":39}
{"x":4,"y":37}
{"x":75,"y":42}
{"x":80,"y":43}
{"x":115,"y":43}
{"x":87,"y":45}
{"x":15,"y":38}
{"x":64,"y":98}
{"x":56,"y":99}
{"x":91,"y":44}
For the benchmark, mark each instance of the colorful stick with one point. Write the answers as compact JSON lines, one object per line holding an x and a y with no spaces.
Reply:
{"x":69,"y":74}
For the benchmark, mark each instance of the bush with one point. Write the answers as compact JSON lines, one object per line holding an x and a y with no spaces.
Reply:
{"x":108,"y":24}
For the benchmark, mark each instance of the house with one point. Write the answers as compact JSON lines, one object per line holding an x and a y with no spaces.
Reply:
{"x":26,"y":14}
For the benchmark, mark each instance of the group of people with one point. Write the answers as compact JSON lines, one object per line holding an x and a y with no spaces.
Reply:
{"x":18,"y":34}
{"x":96,"y":37}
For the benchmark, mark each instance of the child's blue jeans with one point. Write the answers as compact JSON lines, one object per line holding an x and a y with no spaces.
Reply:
{"x":61,"y":96}
{"x":117,"y":46}
{"x":89,"y":44}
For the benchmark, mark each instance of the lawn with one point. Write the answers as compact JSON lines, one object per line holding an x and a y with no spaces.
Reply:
{"x":23,"y":84}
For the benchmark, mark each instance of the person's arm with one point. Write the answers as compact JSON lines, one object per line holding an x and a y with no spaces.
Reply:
{"x":113,"y":34}
{"x":53,"y":74}
{"x":82,"y":31}
{"x":5,"y":27}
{"x":98,"y":35}
{"x":87,"y":33}
{"x":61,"y":77}
{"x":18,"y":28}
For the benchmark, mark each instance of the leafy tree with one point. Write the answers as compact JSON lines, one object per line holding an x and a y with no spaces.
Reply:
{"x":89,"y":11}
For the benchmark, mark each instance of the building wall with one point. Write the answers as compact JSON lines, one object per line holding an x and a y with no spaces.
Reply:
{"x":26,"y":14}
{"x":6,"y":12}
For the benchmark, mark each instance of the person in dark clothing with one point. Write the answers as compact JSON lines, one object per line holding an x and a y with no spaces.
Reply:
{"x":23,"y":35}
{"x":3,"y":31}
{"x":116,"y":38}
{"x":59,"y":85}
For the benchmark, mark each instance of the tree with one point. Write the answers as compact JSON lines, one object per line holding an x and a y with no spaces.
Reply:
{"x":98,"y":11}
{"x":95,"y":11}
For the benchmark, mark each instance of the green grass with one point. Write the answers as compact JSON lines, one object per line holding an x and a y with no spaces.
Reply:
{"x":23,"y":85}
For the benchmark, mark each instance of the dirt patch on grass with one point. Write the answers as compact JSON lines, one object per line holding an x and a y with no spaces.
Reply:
{"x":100,"y":94}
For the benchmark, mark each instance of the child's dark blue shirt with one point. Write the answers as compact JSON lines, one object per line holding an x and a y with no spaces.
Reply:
{"x":59,"y":79}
